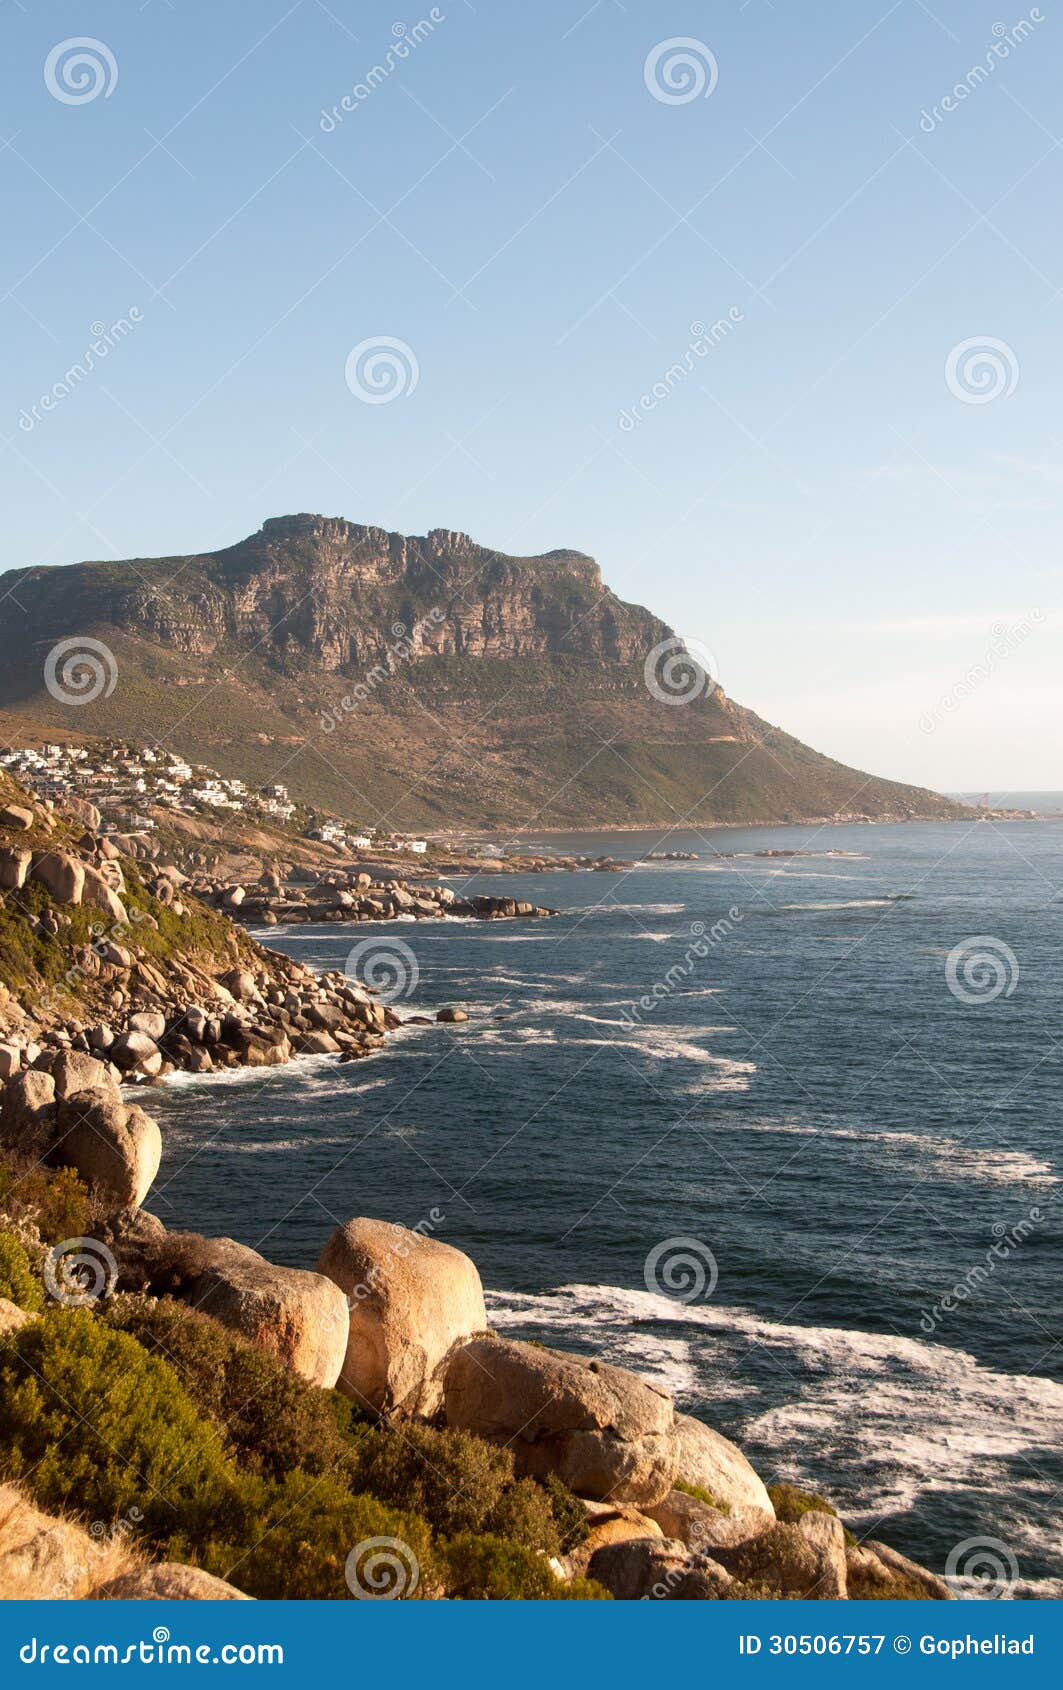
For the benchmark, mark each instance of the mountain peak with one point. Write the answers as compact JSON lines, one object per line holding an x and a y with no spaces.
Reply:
{"x":430,"y":673}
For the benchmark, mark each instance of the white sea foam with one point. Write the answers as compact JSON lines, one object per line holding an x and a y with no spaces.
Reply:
{"x":943,"y":1154}
{"x":608,"y":905}
{"x":876,"y":1419}
{"x":842,"y":904}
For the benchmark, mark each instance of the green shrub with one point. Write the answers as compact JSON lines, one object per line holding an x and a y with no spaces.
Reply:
{"x":92,"y":1423}
{"x":462,"y":1484}
{"x":702,"y":1495}
{"x":790,"y":1503}
{"x":489,"y":1569}
{"x":57,"y":1202}
{"x":61,"y":1204}
{"x":569,"y":1513}
{"x":298,"y":1546}
{"x":18,"y":1282}
{"x":271,"y":1420}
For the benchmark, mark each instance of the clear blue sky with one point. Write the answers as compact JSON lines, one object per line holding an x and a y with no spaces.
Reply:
{"x":513,"y":203}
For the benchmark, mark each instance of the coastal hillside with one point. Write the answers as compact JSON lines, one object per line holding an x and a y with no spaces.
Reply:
{"x":428,"y":680}
{"x":349,"y":1428}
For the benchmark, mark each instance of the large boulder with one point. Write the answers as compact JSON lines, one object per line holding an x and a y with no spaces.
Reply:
{"x":75,"y":1070}
{"x":702,"y":1527}
{"x":299,"y":1317}
{"x":14,"y":867}
{"x":136,"y":1052}
{"x":169,"y":1581}
{"x":149,"y":1021}
{"x":115,"y":1149}
{"x":657,"y":1570}
{"x":98,"y":891}
{"x":711,"y":1462}
{"x":789,"y":1559}
{"x":877,"y":1570}
{"x":608,"y":1523}
{"x":826,"y":1534}
{"x":411,"y":1300}
{"x":16,"y":816}
{"x":62,"y":875}
{"x":241,"y":983}
{"x":27,"y":1110}
{"x":81,"y":809}
{"x":606,"y":1433}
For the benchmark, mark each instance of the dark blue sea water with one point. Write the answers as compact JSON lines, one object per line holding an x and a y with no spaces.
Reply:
{"x":841,"y":1122}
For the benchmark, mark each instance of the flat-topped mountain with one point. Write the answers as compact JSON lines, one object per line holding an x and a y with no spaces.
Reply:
{"x":419,"y":681}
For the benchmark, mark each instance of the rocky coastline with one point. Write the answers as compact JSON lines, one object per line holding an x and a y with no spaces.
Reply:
{"x":576,"y":1479}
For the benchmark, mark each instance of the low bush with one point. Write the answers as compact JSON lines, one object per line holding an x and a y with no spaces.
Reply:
{"x":315,"y":1541}
{"x":700,"y":1494}
{"x":790,"y":1503}
{"x":570,"y":1515}
{"x":490,"y":1569}
{"x":57,"y":1202}
{"x":271,"y":1420}
{"x":94,"y":1424}
{"x":18,"y":1282}
{"x":460,"y":1484}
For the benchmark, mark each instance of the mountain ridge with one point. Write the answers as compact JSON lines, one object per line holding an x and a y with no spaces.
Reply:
{"x":418,"y":680}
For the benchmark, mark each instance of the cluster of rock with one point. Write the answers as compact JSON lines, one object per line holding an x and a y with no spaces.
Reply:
{"x":352,"y":895}
{"x":91,"y":875}
{"x":247,"y":1017}
{"x":395,"y":1319}
{"x":518,"y":863}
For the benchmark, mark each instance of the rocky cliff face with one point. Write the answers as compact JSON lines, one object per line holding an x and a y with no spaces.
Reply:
{"x":425,"y":679}
{"x":336,"y":594}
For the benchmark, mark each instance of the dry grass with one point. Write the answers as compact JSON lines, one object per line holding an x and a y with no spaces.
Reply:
{"x":45,"y":1557}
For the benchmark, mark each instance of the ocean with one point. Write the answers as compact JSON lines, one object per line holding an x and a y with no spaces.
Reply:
{"x":779,"y":1132}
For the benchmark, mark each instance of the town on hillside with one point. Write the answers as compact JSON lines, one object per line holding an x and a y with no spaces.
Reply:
{"x":127,"y":782}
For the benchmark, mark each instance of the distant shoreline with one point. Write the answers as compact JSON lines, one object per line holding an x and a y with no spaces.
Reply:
{"x":462,"y":835}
